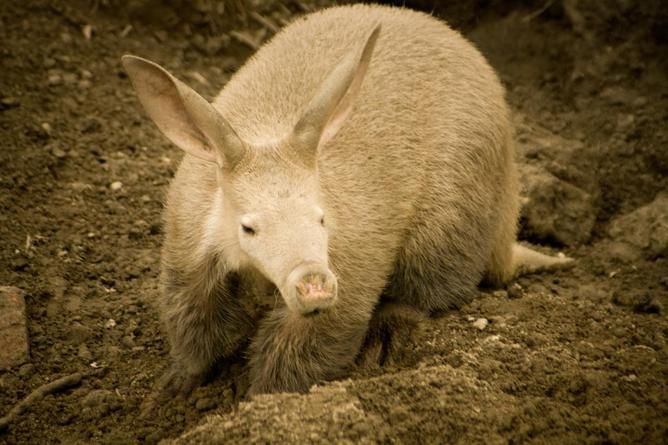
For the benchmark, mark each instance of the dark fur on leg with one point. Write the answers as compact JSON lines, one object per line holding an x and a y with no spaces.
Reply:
{"x":204,"y":322}
{"x":389,"y":329}
{"x":291,"y":352}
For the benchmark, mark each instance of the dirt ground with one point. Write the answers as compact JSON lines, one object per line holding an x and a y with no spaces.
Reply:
{"x":574,"y":356}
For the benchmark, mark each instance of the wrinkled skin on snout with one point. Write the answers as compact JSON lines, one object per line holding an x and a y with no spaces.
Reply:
{"x":275,"y":223}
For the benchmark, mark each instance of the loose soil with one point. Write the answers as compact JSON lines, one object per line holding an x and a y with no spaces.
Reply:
{"x":574,"y":356}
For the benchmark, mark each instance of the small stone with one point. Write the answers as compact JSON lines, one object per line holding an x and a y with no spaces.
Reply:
{"x":515,"y":291}
{"x":645,"y":228}
{"x":622,"y":298}
{"x":500,"y":293}
{"x":9,"y":102}
{"x":594,"y":293}
{"x":85,"y":84}
{"x":80,"y":186}
{"x":70,"y":78}
{"x":480,"y":324}
{"x":26,"y":370}
{"x":97,"y":397}
{"x":205,"y":404}
{"x":13,"y":328}
{"x":84,"y":353}
{"x":98,"y":403}
{"x":640,"y":101}
{"x":110,"y":323}
{"x":598,"y":315}
{"x":619,"y":332}
{"x":79,"y":334}
{"x":113,"y":351}
{"x":86,"y":413}
{"x":47,"y":128}
{"x":69,"y":102}
{"x":87,"y":31}
{"x":86,"y":74}
{"x":55,"y":79}
{"x":58,"y":152}
{"x":128,"y":342}
{"x":116,"y":185}
{"x":625,"y":120}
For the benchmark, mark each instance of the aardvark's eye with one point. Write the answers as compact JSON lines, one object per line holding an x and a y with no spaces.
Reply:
{"x":247,"y":229}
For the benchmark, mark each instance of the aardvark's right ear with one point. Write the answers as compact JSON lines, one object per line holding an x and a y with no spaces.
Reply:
{"x":329,"y":107}
{"x":185,"y":117}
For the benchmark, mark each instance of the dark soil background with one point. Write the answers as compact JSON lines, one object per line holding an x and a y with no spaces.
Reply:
{"x":574,"y":356}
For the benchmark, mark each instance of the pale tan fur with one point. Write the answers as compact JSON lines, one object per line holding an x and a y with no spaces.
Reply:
{"x":418,"y":187}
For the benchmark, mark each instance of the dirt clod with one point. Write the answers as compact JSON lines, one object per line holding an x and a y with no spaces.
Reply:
{"x":515,"y":291}
{"x":13,"y":328}
{"x":480,"y":323}
{"x":644,"y":229}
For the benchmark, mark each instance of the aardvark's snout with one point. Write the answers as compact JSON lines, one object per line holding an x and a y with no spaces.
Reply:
{"x":310,"y":287}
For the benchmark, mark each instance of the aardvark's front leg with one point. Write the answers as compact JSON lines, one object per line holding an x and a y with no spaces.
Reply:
{"x":204,"y":321}
{"x":291,"y":351}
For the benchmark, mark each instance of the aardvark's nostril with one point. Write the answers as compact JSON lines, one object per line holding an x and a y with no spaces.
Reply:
{"x":310,"y":286}
{"x":314,"y":286}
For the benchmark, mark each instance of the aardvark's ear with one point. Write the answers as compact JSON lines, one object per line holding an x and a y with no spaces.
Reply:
{"x":333,"y":101}
{"x":185,"y":117}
